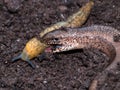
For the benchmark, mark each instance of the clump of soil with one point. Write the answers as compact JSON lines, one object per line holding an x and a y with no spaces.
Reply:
{"x":74,"y":70}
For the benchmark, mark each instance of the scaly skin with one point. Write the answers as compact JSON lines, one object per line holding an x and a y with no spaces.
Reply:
{"x":71,"y":43}
{"x":106,"y":32}
{"x":106,"y":39}
{"x":34,"y":47}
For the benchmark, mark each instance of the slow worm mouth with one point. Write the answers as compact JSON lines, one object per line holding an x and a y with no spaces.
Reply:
{"x":53,"y":47}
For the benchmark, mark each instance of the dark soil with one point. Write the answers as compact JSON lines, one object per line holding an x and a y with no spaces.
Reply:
{"x":20,"y":20}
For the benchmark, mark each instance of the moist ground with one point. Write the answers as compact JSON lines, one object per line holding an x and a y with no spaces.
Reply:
{"x":74,"y":70}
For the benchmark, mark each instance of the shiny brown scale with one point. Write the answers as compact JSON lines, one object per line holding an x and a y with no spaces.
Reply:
{"x":86,"y":42}
{"x":103,"y":38}
{"x":106,"y":32}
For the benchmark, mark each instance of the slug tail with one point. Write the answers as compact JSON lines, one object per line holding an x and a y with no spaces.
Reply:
{"x":75,"y":20}
{"x":80,"y":17}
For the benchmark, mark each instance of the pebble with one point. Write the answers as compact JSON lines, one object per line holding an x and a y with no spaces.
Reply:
{"x":44,"y":81}
{"x":18,"y":40}
{"x":13,"y":5}
{"x":63,"y":8}
{"x":6,"y":62}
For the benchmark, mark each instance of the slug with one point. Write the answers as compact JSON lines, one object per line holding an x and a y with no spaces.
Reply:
{"x":35,"y":46}
{"x":103,"y":38}
{"x":75,"y":20}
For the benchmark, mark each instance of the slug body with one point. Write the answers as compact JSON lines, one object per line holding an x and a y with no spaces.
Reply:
{"x":35,"y":46}
{"x":106,"y":39}
{"x":75,"y":20}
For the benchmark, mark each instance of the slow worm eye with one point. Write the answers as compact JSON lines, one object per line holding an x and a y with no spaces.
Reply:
{"x":55,"y":39}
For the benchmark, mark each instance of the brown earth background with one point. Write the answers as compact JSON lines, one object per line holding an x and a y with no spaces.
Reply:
{"x":20,"y":20}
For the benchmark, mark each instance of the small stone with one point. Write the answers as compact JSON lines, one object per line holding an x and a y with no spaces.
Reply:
{"x":62,"y":16}
{"x":18,"y":66}
{"x":113,"y":6}
{"x":2,"y":46}
{"x":18,"y":40}
{"x":44,"y":81}
{"x":13,"y":5}
{"x":63,"y":8}
{"x":37,"y":66}
{"x":6,"y":62}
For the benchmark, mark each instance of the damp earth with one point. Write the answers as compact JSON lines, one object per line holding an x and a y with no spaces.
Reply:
{"x":20,"y":20}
